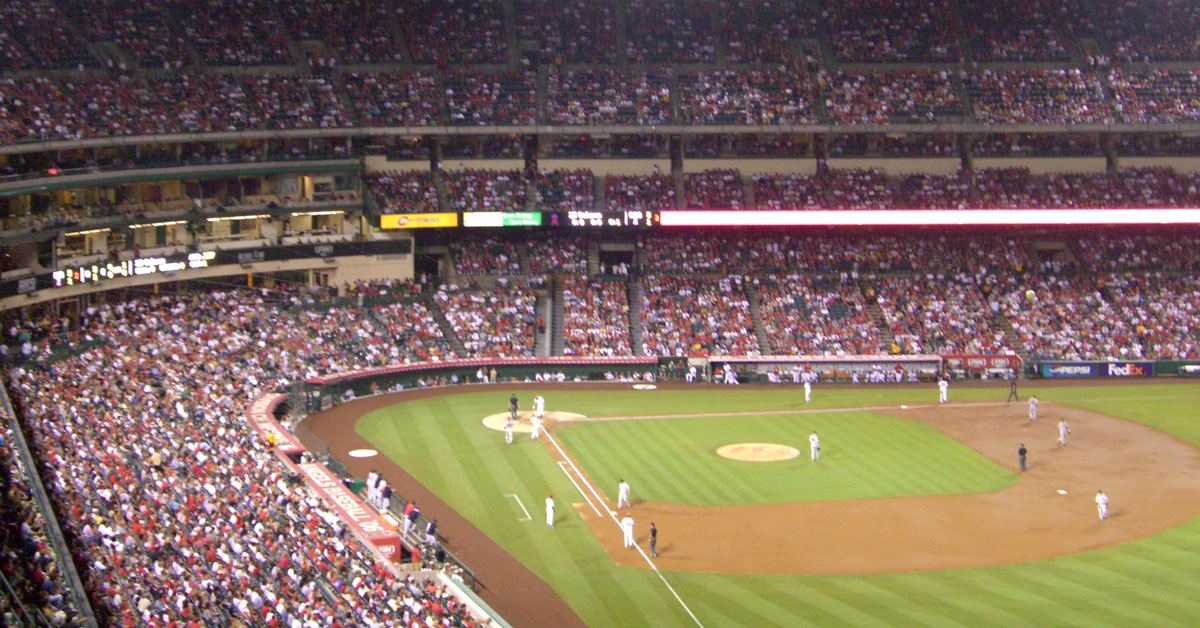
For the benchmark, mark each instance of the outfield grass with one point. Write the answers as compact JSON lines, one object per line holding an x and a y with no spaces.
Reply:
{"x":1150,"y":582}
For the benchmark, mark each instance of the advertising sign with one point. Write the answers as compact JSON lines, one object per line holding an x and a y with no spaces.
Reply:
{"x":418,"y":221}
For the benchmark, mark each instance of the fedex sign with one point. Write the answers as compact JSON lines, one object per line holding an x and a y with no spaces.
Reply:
{"x":1129,"y":369}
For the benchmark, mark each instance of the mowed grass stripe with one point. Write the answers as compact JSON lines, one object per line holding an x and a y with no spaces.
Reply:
{"x":1132,"y":579}
{"x":929,"y":596}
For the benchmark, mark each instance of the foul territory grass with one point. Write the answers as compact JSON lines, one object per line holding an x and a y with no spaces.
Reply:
{"x":863,"y":455}
{"x":1150,"y":582}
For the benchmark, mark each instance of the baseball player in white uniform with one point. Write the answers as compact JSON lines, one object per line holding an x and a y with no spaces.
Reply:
{"x":814,"y":446}
{"x":627,"y":528}
{"x":539,"y":406}
{"x":1102,"y":504}
{"x":508,"y":427}
{"x":943,"y":390}
{"x":691,"y":374}
{"x":1063,"y":430}
{"x":623,"y":493}
{"x":730,"y":376}
{"x":550,"y":511}
{"x":1033,"y":403}
{"x":536,"y":422}
{"x":807,"y":391}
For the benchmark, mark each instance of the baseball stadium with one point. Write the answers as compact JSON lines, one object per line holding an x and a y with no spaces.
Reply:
{"x":556,"y":313}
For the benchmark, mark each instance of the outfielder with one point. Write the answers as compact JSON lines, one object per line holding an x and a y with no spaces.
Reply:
{"x":814,"y":446}
{"x":943,"y":389}
{"x":1033,"y":403}
{"x":627,"y":527}
{"x":539,"y":406}
{"x":550,"y":510}
{"x":623,"y":493}
{"x":536,"y":422}
{"x":1102,"y":504}
{"x":1063,"y":430}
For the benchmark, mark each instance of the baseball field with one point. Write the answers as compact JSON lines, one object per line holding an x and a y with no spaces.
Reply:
{"x":916,"y":514}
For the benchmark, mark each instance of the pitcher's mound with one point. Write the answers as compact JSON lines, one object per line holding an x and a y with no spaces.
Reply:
{"x":496,"y":421}
{"x":758,"y":452}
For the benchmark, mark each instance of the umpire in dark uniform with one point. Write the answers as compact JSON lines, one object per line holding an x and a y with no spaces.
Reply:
{"x":653,"y":540}
{"x":1021,"y":455}
{"x":1012,"y":391}
{"x":512,"y":406}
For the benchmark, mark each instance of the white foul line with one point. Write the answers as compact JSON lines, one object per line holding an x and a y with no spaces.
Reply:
{"x":527,"y":517}
{"x":613,"y":515}
{"x":581,"y":491}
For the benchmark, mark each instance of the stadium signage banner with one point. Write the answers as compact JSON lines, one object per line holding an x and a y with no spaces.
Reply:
{"x":1190,"y":370}
{"x":418,"y":221}
{"x":1128,"y":369}
{"x":981,"y":361}
{"x":351,"y":509}
{"x":1097,"y":369}
{"x":502,"y":219}
{"x":1074,"y":369}
{"x":260,"y":414}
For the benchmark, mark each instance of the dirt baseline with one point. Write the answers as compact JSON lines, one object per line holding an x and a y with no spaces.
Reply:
{"x":1152,"y":479}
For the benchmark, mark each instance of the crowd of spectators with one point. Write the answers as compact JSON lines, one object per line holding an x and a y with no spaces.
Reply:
{"x":1067,"y":318}
{"x":596,"y":317}
{"x":889,"y":31}
{"x":607,"y":97}
{"x":414,"y":331}
{"x":1046,"y":96}
{"x":454,"y":32}
{"x":1028,"y":30}
{"x":1151,"y":30}
{"x":141,"y":31}
{"x":714,"y":189}
{"x":490,"y":99}
{"x":359,"y":31}
{"x":36,"y":35}
{"x":495,"y":323}
{"x":806,"y":315}
{"x":28,"y":562}
{"x":557,"y":254}
{"x":473,"y":190}
{"x":858,"y":188}
{"x":404,"y":191}
{"x":571,"y":31}
{"x":936,"y":313}
{"x":669,"y":30}
{"x":181,"y":515}
{"x":1156,"y":95}
{"x":640,"y":192}
{"x":486,"y":256}
{"x":896,"y":96}
{"x":1179,"y":253}
{"x":788,"y":191}
{"x":684,"y":314}
{"x":566,"y":189}
{"x":766,"y":31}
{"x":233,"y":32}
{"x":1156,"y":313}
{"x":395,"y":99}
{"x":776,"y":96}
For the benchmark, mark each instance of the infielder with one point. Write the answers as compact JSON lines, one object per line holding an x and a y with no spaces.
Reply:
{"x":536,"y":422}
{"x":1102,"y":504}
{"x":539,"y":406}
{"x":814,"y":446}
{"x":1063,"y":430}
{"x":508,"y":427}
{"x":1033,"y":403}
{"x":623,"y":493}
{"x":627,"y":527}
{"x":550,"y":510}
{"x":807,"y":391}
{"x":943,"y":389}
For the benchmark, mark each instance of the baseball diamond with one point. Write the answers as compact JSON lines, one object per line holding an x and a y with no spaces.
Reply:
{"x":924,"y":541}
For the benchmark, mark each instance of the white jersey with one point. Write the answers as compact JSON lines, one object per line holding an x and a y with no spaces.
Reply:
{"x":539,"y":405}
{"x":814,"y":442}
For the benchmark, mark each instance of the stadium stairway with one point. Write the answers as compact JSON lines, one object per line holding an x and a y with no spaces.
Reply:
{"x":558,"y":316}
{"x":444,"y":324}
{"x":593,"y":259}
{"x":760,"y":330}
{"x":523,"y":258}
{"x":1010,"y":334}
{"x":635,"y":315}
{"x":876,"y":313}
